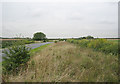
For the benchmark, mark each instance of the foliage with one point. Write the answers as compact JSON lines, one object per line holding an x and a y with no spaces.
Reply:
{"x":61,"y":39}
{"x":9,"y":43}
{"x":33,"y":51}
{"x":89,"y":37}
{"x":28,"y":41}
{"x":39,"y":36}
{"x":56,"y":41}
{"x":45,"y":40}
{"x":16,"y":56}
{"x":63,"y":62}
{"x":98,"y":44}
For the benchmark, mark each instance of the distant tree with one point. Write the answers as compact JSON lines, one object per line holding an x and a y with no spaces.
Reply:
{"x":83,"y":37}
{"x":89,"y":37}
{"x":39,"y":36}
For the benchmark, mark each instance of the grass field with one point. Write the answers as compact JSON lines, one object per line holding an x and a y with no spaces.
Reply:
{"x":66,"y":62}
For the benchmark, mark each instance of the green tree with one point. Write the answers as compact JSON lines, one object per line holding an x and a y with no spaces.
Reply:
{"x":89,"y":37}
{"x":39,"y":36}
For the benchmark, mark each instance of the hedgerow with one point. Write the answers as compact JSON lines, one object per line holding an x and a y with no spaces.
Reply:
{"x":98,"y":44}
{"x":9,"y":43}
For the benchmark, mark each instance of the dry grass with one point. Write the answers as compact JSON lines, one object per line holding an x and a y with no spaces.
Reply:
{"x":62,"y":62}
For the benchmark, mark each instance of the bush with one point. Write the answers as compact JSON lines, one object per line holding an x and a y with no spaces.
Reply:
{"x":15,"y":56}
{"x":9,"y":43}
{"x":98,"y":45}
{"x":83,"y":42}
{"x":55,"y":41}
{"x":112,"y":48}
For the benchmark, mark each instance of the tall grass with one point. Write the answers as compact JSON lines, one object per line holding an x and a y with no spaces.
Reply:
{"x":16,"y":59}
{"x":65,"y":62}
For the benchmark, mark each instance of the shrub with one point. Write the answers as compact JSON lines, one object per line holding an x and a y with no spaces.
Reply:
{"x":15,"y":56}
{"x":55,"y":41}
{"x":83,"y":42}
{"x":9,"y":43}
{"x":111,"y":48}
{"x":44,"y":40}
{"x":98,"y":45}
{"x":47,"y":40}
{"x":70,"y":40}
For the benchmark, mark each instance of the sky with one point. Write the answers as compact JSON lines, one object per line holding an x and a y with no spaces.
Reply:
{"x":59,"y":18}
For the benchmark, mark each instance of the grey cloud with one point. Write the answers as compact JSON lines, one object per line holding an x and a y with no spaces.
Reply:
{"x":111,"y":3}
{"x":106,"y":22}
{"x":75,"y":18}
{"x":36,"y":13}
{"x":60,"y":20}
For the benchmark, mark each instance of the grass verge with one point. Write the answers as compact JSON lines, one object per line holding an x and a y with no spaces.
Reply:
{"x":0,"y":71}
{"x":33,"y":51}
{"x":65,"y":62}
{"x":0,"y":67}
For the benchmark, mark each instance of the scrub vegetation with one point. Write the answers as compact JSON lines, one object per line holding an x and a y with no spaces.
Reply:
{"x":72,"y":61}
{"x":103,"y":45}
{"x":8,"y":43}
{"x":15,"y":56}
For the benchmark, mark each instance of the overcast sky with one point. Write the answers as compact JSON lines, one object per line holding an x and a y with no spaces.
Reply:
{"x":60,"y":18}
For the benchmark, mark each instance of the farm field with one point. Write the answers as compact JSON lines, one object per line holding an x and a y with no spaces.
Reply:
{"x":69,"y":61}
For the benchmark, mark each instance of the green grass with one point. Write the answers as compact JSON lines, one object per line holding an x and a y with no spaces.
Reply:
{"x":33,"y":51}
